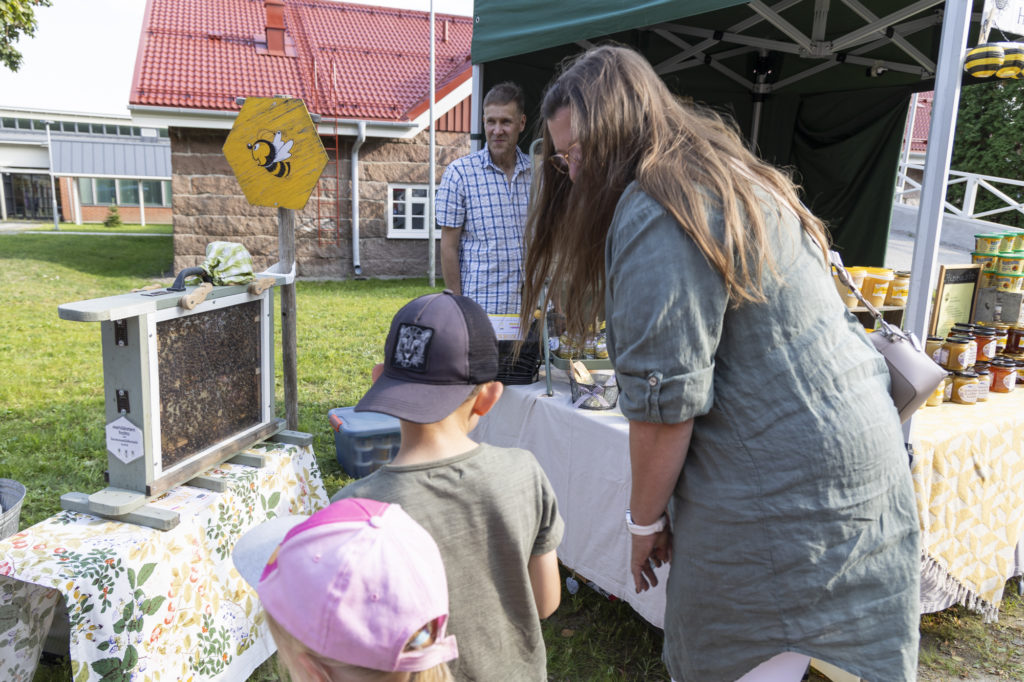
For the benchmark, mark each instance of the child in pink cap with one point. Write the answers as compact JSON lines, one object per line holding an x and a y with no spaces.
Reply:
{"x":356,"y":592}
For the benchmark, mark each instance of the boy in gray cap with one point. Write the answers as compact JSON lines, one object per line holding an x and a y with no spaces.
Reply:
{"x":491,"y":510}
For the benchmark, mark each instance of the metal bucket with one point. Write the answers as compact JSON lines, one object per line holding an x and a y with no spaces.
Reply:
{"x":12,"y":494}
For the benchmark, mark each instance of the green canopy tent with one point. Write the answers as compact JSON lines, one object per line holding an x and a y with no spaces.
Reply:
{"x":820,"y":86}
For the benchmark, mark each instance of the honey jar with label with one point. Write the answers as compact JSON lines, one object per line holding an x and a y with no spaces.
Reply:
{"x":967,"y":330}
{"x":933,"y":349}
{"x":984,"y":380}
{"x":1002,"y":331}
{"x":986,"y":340}
{"x":956,"y":350}
{"x":965,"y":388}
{"x":1003,"y":375}
{"x":1015,"y":339}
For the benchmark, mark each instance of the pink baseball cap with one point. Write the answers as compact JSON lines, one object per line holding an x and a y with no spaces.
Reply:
{"x":353,"y":582}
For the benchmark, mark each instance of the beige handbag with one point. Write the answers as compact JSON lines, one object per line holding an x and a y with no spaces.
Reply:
{"x":914,"y":376}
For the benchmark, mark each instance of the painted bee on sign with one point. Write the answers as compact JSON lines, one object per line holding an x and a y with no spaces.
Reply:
{"x":273,"y":154}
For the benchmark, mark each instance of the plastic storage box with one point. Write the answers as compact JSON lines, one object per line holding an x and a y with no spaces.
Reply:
{"x":363,"y":441}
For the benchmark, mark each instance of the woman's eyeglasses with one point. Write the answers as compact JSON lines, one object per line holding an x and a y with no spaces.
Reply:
{"x":561,"y":162}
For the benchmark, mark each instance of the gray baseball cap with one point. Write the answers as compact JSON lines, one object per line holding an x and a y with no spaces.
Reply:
{"x":439,"y":348}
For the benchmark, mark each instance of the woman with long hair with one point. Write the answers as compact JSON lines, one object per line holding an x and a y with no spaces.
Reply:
{"x":767,"y":458}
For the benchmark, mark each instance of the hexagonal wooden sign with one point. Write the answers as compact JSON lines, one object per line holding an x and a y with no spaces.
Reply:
{"x":275,"y":152}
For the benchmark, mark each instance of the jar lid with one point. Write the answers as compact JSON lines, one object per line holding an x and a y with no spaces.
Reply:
{"x":984,"y":332}
{"x":966,"y":373}
{"x":903,"y":273}
{"x":935,"y":338}
{"x":958,"y":338}
{"x":981,"y":371}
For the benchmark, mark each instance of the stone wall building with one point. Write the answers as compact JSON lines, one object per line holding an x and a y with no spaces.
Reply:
{"x":209,"y":206}
{"x":364,"y":71}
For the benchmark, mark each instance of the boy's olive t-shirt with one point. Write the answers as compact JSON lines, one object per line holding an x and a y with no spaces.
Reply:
{"x":489,"y":510}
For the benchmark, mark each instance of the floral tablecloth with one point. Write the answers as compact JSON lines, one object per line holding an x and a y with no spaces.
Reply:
{"x":969,"y":482}
{"x":145,"y":604}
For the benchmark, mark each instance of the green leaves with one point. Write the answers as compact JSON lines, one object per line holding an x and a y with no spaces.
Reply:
{"x":988,"y":142}
{"x":116,"y":669}
{"x":17,"y":18}
{"x":145,"y":572}
{"x":152,"y":605}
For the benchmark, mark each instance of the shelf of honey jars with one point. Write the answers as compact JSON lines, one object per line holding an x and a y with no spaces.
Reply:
{"x":981,"y":359}
{"x":884,"y":288}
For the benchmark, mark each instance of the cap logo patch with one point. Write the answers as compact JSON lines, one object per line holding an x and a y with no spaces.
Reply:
{"x":412,"y":347}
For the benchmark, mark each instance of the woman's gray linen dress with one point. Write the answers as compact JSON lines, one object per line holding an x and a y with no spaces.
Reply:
{"x":794,"y":518}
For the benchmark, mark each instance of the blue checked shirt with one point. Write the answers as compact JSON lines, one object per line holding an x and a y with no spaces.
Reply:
{"x":475,"y":195}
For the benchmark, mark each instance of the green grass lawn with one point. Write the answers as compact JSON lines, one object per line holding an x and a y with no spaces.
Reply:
{"x":52,"y":433}
{"x":51,"y":374}
{"x":51,"y":405}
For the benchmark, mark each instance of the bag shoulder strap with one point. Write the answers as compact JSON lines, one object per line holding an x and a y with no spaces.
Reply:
{"x":884,"y":327}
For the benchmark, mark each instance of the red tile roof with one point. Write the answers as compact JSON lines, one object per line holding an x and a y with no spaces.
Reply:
{"x":922,"y":122}
{"x":346,"y":61}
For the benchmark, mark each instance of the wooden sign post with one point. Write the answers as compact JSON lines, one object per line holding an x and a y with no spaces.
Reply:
{"x":277,"y":156}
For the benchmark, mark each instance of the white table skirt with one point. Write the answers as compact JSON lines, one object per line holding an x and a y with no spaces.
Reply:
{"x":586,"y":457}
{"x":585,"y":454}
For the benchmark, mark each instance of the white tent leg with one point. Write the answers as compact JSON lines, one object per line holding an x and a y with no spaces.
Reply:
{"x":955,"y":24}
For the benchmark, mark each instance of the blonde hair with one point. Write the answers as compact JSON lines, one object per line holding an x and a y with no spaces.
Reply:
{"x":290,"y":651}
{"x":629,"y":126}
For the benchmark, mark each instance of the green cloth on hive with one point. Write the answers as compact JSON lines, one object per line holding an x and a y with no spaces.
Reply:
{"x":228,"y":263}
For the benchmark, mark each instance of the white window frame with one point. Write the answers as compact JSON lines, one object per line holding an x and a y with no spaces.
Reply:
{"x":410,"y":232}
{"x":165,"y":191}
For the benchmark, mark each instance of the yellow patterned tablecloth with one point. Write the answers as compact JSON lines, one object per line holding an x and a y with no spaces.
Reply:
{"x":969,"y":481}
{"x":144,"y":604}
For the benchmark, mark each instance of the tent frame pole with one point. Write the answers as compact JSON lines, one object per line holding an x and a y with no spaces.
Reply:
{"x":955,"y":25}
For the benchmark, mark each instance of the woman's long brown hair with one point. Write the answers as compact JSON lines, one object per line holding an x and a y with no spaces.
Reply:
{"x":629,"y":126}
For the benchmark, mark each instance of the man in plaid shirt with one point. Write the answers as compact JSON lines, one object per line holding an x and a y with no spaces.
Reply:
{"x":481,"y":209}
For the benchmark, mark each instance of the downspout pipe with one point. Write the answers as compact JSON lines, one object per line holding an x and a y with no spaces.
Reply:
{"x":354,"y":174}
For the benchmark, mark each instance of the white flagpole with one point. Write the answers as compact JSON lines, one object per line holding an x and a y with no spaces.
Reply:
{"x":432,"y":247}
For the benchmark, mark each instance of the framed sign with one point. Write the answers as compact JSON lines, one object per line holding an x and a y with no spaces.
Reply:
{"x":954,"y":297}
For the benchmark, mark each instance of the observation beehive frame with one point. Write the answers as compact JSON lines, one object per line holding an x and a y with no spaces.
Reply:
{"x":184,"y":390}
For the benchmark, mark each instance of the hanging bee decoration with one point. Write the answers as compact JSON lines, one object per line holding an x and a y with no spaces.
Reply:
{"x":273,"y":154}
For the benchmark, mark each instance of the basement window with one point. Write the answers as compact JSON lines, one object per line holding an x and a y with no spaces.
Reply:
{"x":407,"y":212}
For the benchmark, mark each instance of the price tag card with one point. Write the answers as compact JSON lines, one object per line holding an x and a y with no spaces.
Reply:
{"x":506,"y":327}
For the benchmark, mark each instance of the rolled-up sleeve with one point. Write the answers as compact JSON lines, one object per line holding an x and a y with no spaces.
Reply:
{"x":665,"y":306}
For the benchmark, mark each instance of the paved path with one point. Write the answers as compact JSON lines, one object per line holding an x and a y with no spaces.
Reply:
{"x":11,"y":227}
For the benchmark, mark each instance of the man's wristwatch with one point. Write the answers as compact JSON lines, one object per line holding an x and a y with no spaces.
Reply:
{"x":651,"y":529}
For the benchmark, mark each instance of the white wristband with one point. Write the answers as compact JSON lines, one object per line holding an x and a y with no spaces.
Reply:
{"x":651,"y":529}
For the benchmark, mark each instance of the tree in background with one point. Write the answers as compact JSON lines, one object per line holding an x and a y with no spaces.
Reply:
{"x":17,"y":18}
{"x":989,"y":141}
{"x":113,"y":218}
